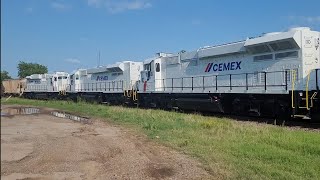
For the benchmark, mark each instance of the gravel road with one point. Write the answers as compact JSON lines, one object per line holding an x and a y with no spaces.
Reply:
{"x":42,"y":146}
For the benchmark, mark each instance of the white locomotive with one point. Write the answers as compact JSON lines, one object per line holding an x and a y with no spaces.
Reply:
{"x":43,"y":84}
{"x":263,"y":65}
{"x":276,"y":74}
{"x":112,"y":78}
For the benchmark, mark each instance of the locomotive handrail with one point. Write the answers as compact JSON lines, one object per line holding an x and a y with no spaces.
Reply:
{"x":134,"y":95}
{"x":212,"y":75}
{"x":101,"y":86}
{"x":312,"y":97}
{"x":317,"y":83}
{"x":293,"y":74}
{"x":307,"y":91}
{"x":263,"y":83}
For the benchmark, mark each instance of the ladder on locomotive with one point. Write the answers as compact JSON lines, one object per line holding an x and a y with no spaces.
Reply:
{"x":308,"y":102}
{"x":21,"y":87}
{"x":131,"y":94}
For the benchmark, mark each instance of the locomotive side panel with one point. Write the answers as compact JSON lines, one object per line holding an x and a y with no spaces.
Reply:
{"x":242,"y":72}
{"x":109,"y":79}
{"x":310,"y":54}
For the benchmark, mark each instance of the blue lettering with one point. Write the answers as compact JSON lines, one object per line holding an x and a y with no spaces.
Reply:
{"x":220,"y":67}
{"x":226,"y":66}
{"x":215,"y":67}
{"x":232,"y":65}
{"x":210,"y":66}
{"x":238,"y":65}
{"x":102,"y":78}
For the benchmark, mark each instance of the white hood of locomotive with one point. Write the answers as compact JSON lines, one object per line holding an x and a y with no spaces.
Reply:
{"x":292,"y":35}
{"x":117,"y":67}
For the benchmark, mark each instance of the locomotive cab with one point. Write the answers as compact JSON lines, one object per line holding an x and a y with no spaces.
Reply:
{"x":153,"y":74}
{"x":76,"y":79}
{"x":60,"y":81}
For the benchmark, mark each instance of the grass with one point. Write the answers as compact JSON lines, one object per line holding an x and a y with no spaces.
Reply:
{"x":228,"y":149}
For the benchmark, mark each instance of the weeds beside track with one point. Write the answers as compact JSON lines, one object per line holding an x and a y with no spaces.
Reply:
{"x":227,"y":148}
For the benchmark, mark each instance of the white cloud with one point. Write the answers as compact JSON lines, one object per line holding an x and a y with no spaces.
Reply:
{"x":117,"y":6}
{"x":95,"y":3}
{"x":73,"y":60}
{"x":315,"y":19}
{"x":29,"y":10}
{"x":305,"y":19}
{"x":59,"y":6}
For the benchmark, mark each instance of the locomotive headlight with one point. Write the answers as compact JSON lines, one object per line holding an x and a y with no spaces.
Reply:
{"x":301,"y":93}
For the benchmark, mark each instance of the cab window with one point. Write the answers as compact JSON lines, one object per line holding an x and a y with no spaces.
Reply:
{"x":147,"y":67}
{"x":157,"y":67}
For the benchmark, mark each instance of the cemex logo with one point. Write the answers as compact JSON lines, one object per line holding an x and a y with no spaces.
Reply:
{"x":223,"y":66}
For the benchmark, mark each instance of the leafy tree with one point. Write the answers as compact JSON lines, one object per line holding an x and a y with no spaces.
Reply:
{"x":26,"y":69}
{"x":5,"y":75}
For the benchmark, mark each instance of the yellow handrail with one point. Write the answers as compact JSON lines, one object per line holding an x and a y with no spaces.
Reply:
{"x":307,"y":91}
{"x":134,"y":95}
{"x":312,"y":97}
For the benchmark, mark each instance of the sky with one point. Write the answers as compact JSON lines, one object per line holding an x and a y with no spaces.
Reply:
{"x":66,"y":35}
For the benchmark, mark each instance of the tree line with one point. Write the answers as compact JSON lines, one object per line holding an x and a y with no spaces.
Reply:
{"x":25,"y":69}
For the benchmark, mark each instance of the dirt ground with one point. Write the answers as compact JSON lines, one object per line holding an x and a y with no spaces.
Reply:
{"x":41,"y":146}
